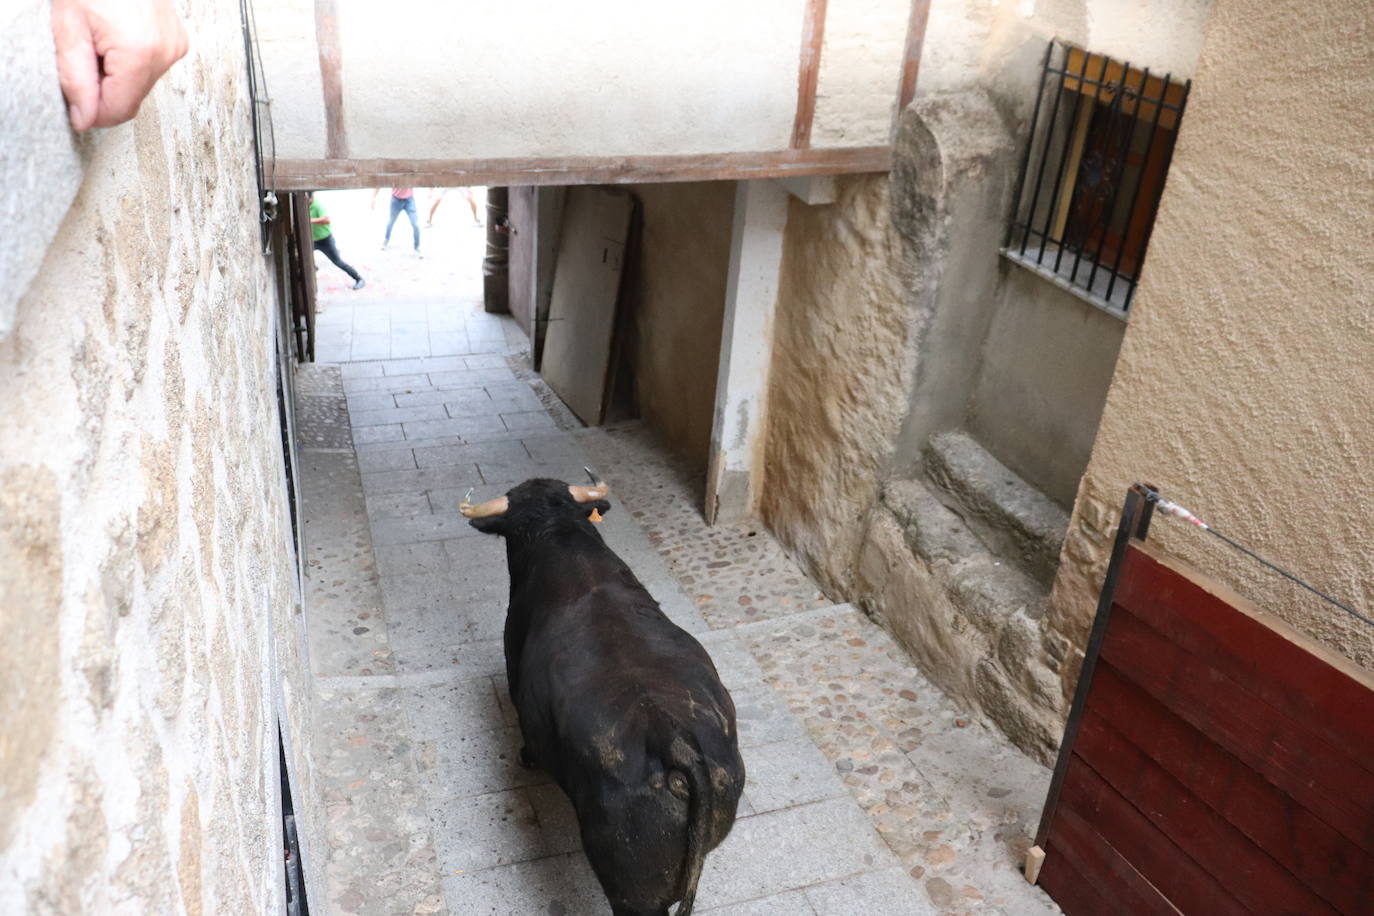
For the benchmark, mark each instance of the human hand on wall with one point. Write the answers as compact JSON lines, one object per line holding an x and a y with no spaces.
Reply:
{"x":110,"y":53}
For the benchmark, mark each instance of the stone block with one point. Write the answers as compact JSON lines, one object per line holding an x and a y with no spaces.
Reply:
{"x":528,"y":421}
{"x":409,"y":559}
{"x":423,"y":397}
{"x":390,"y":459}
{"x":459,"y":477}
{"x":791,"y":903}
{"x":514,"y":397}
{"x":370,"y":435}
{"x":889,"y":891}
{"x":472,"y":378}
{"x":360,"y":370}
{"x":736,"y":665}
{"x":374,"y":400}
{"x":477,"y":453}
{"x":415,"y":529}
{"x":434,"y":429}
{"x":1034,"y":732}
{"x":792,"y":848}
{"x":483,"y":831}
{"x":454,"y":708}
{"x":932,"y":531}
{"x":384,"y":416}
{"x":782,"y":774}
{"x":392,"y":383}
{"x":1019,"y":521}
{"x":424,"y":364}
{"x":397,"y":505}
{"x":475,"y":763}
{"x":763,"y":716}
{"x":989,"y":592}
{"x":556,"y":884}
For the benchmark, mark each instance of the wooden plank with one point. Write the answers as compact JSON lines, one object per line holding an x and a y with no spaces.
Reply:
{"x":1035,"y":860}
{"x":911,"y":57}
{"x":586,"y":288}
{"x":331,"y":78}
{"x":1150,"y":851}
{"x":1075,"y":892}
{"x":1335,"y":868}
{"x":524,"y":228}
{"x":339,"y":173}
{"x":1237,"y":864}
{"x":1321,"y":778}
{"x":1140,"y":103}
{"x":808,"y":72}
{"x":1136,"y":512}
{"x":1092,"y":855}
{"x":1296,"y":675}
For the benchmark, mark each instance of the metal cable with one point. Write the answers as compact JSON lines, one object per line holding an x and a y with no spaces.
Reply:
{"x":1173,"y":509}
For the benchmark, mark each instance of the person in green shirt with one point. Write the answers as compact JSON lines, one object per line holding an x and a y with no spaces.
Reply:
{"x":323,"y":238}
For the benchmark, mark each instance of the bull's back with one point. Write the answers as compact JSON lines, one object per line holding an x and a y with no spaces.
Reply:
{"x":616,"y":702}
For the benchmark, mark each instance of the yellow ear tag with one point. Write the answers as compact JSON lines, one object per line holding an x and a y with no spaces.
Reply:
{"x":595,"y":516}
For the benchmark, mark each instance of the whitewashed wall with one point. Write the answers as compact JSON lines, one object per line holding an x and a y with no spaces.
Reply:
{"x":526,"y":78}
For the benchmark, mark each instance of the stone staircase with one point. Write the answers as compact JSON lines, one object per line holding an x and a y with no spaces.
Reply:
{"x":985,"y":546}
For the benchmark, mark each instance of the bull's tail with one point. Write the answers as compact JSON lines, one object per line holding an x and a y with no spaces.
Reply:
{"x":686,"y":757}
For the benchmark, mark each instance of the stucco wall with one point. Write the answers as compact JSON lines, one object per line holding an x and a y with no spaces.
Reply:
{"x":145,"y":574}
{"x":679,"y":304}
{"x":999,"y":46}
{"x":1244,"y":387}
{"x":1043,"y":375}
{"x":531,"y":78}
{"x":860,"y":71}
{"x":840,"y":374}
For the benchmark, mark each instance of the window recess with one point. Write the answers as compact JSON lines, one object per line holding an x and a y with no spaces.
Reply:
{"x":1101,"y":139}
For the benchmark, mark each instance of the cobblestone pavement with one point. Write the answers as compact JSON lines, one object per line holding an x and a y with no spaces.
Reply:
{"x":867,"y":791}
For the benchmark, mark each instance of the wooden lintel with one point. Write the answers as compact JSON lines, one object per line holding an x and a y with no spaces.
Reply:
{"x":333,"y":174}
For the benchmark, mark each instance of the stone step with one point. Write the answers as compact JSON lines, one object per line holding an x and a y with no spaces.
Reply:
{"x":985,"y":588}
{"x":1014,"y":519}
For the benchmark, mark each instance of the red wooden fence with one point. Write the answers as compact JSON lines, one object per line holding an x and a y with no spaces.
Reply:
{"x":1216,"y":761}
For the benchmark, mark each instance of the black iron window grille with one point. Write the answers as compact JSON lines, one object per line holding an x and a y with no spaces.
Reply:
{"x":1102,"y":136}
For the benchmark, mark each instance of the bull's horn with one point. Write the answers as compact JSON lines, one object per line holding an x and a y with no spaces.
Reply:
{"x":589,"y":494}
{"x":497,"y":506}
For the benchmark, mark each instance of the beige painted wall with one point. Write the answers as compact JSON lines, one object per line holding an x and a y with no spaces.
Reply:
{"x":1244,"y":387}
{"x":840,"y":375}
{"x":621,"y":77}
{"x":679,"y":306}
{"x":1000,"y":45}
{"x":145,"y":574}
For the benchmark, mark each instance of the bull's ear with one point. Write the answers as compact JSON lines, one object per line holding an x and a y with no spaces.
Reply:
{"x":599,"y":505}
{"x":491,"y":524}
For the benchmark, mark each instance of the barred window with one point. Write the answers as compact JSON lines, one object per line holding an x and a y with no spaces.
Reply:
{"x":1101,"y":139}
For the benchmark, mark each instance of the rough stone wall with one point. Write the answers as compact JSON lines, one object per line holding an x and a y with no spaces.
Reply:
{"x":684,"y":255}
{"x":840,"y":375}
{"x":1243,"y":386}
{"x":145,"y":568}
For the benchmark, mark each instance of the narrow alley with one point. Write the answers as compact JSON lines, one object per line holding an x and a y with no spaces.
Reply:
{"x":867,"y":790}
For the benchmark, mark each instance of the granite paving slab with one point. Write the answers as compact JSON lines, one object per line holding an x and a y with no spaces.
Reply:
{"x":867,"y":791}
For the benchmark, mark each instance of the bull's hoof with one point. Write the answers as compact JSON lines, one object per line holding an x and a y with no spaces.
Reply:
{"x":526,"y":760}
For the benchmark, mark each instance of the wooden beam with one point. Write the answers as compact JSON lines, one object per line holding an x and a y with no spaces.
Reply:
{"x":808,"y":72}
{"x":911,"y":59}
{"x":336,"y":173}
{"x":331,"y":77}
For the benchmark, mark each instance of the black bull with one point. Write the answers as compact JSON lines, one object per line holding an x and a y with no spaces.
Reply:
{"x":619,"y":704}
